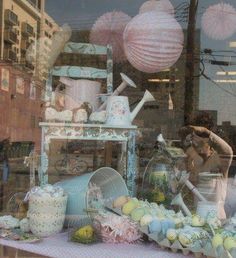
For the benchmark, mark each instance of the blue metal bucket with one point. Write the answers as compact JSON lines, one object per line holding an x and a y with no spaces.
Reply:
{"x":109,"y":180}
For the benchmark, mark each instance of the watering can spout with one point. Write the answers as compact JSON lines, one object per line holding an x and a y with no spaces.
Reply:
{"x":178,"y":200}
{"x":146,"y":98}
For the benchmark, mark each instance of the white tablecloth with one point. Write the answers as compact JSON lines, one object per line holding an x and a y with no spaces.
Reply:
{"x":59,"y":247}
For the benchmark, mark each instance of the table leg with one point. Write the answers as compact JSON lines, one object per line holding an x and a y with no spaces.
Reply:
{"x":1,"y":195}
{"x":108,"y":154}
{"x":43,"y":175}
{"x":122,"y":160}
{"x":131,"y":167}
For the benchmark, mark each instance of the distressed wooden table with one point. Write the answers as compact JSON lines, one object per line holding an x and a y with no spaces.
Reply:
{"x":85,"y":132}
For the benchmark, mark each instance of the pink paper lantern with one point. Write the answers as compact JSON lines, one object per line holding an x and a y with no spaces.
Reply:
{"x":219,"y":21}
{"x":108,"y":29}
{"x":160,"y":5}
{"x":153,"y":41}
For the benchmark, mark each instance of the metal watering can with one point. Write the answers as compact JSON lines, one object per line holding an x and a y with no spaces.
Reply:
{"x":126,"y":81}
{"x":118,"y":112}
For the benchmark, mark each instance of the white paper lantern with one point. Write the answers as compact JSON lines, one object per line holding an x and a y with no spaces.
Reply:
{"x":157,"y":5}
{"x":153,"y":41}
{"x":219,"y":21}
{"x":108,"y":29}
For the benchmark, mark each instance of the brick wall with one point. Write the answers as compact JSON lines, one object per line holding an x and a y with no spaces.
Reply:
{"x":20,"y":115}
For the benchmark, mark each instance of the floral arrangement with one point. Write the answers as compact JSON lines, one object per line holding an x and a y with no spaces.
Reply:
{"x":116,"y":229}
{"x":95,"y":198}
{"x":45,"y":191}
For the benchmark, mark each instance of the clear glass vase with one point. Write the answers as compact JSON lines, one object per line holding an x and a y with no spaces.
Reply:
{"x":156,"y":186}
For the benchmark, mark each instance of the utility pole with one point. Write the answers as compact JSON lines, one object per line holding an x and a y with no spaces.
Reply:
{"x":189,"y":67}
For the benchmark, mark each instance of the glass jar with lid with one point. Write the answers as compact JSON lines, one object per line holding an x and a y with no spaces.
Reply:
{"x":156,"y":185}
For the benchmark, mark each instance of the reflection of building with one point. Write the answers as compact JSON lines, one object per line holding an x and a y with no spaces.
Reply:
{"x":20,"y":114}
{"x":22,"y":22}
{"x":48,"y":28}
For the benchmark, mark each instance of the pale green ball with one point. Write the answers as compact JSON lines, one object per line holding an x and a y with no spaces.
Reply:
{"x":217,"y":240}
{"x":229,"y":243}
{"x":185,"y":239}
{"x":128,"y":207}
{"x":197,"y":221}
{"x":137,"y":214}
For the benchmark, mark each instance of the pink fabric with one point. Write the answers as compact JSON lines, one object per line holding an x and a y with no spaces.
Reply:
{"x":59,"y":247}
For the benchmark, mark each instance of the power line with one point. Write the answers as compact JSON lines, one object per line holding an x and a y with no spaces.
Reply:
{"x":216,"y":84}
{"x":222,"y":69}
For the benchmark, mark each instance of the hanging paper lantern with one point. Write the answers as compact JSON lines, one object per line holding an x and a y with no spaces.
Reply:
{"x":219,"y":21}
{"x":153,"y":41}
{"x":160,"y":5}
{"x":108,"y":29}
